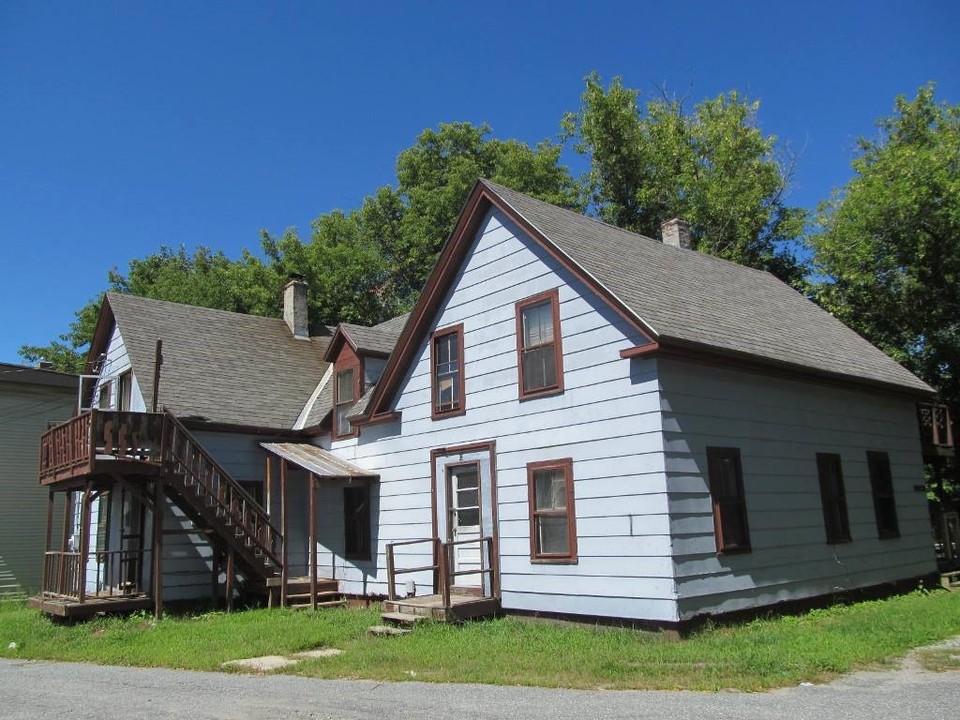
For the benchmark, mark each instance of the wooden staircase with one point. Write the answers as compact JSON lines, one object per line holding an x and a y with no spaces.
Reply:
{"x":213,"y":500}
{"x":299,"y":596}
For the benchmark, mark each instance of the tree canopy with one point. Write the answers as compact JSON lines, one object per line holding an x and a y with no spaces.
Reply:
{"x":888,"y":244}
{"x":712,"y":166}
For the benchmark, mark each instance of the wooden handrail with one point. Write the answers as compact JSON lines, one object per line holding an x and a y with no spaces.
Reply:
{"x":200,"y":467}
{"x":392,"y":571}
{"x":442,"y":552}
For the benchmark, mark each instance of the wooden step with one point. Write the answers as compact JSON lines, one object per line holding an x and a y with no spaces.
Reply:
{"x":326,"y":594}
{"x":950,"y":580}
{"x":402,"y":618}
{"x":325,"y":604}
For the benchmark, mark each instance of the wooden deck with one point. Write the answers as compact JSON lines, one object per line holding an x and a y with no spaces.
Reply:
{"x":461,"y":607}
{"x":73,"y":608}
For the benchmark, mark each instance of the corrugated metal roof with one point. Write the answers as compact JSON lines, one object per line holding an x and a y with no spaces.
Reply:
{"x":317,"y":460}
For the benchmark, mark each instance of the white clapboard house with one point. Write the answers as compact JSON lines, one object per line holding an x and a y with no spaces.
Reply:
{"x":574,"y":420}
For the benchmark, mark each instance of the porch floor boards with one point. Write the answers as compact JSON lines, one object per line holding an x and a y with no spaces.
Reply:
{"x":73,"y":608}
{"x":462,"y":607}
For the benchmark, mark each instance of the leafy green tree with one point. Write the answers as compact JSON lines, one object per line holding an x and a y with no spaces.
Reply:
{"x":712,"y":166}
{"x":888,"y":244}
{"x":436,"y":174}
{"x":66,"y":353}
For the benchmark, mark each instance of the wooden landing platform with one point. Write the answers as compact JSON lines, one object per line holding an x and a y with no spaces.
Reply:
{"x":462,"y":607}
{"x":73,"y":608}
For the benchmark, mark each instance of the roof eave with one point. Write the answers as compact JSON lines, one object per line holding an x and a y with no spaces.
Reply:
{"x":686,"y":349}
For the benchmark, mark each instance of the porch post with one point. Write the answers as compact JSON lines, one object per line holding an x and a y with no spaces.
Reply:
{"x":84,"y":541}
{"x":284,"y":573}
{"x":46,"y":544}
{"x":269,"y":486}
{"x":215,"y":574}
{"x":313,"y":541}
{"x":158,"y":548}
{"x":229,"y":587}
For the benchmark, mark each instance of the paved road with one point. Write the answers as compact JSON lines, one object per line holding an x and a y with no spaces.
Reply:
{"x":38,"y":690}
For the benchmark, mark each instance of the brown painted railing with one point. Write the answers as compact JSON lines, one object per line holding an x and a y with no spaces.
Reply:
{"x":62,"y":574}
{"x":936,"y":426}
{"x":73,"y":448}
{"x":443,"y":552}
{"x":392,"y":571}
{"x":112,"y":573}
{"x":199,"y":472}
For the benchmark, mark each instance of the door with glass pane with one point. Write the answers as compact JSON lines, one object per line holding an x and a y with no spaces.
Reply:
{"x":463,"y":483}
{"x":466,"y":513}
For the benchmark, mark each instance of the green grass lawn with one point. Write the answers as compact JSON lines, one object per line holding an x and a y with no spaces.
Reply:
{"x":762,"y":654}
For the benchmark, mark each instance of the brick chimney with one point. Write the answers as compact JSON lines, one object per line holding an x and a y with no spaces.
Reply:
{"x":676,"y":232}
{"x":295,"y":307}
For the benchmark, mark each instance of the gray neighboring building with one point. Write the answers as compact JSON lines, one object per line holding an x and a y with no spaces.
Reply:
{"x":30,"y":399}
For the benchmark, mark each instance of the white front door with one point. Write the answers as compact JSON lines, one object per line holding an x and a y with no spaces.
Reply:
{"x":463,"y":483}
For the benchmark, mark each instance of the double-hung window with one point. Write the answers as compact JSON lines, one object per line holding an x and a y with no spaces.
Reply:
{"x":447,"y":384}
{"x":729,"y":500}
{"x":833,"y":498}
{"x":539,"y":351}
{"x":345,"y":397}
{"x":356,"y":522}
{"x":553,"y":526}
{"x":884,"y":503}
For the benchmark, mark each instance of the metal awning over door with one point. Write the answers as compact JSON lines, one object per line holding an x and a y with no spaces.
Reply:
{"x":317,"y":461}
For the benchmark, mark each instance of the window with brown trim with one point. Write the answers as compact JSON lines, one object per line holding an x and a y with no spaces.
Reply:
{"x":884,"y":503}
{"x":539,"y":350}
{"x":356,"y":522}
{"x":446,"y":377}
{"x":345,"y":397}
{"x":553,"y":524}
{"x":729,"y":500}
{"x":833,"y":498}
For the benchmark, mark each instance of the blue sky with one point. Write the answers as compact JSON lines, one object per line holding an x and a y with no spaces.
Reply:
{"x":127,"y":125}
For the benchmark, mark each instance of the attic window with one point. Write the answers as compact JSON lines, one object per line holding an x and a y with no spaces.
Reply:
{"x":344,"y":401}
{"x":446,"y":357}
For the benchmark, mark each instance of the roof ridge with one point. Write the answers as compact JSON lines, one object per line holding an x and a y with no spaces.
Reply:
{"x":496,"y":187}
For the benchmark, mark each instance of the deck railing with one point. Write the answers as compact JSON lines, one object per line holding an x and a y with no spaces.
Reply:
{"x":936,"y":426}
{"x":444,"y":576}
{"x":114,"y":573}
{"x":73,"y":447}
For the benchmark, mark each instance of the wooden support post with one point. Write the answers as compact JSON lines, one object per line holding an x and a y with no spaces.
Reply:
{"x":284,"y":573}
{"x":46,"y":543}
{"x":268,"y":495}
{"x":158,"y":548}
{"x":49,"y":538}
{"x":313,"y":541}
{"x":215,"y":574}
{"x":229,"y":587}
{"x":67,"y":520}
{"x":84,"y":541}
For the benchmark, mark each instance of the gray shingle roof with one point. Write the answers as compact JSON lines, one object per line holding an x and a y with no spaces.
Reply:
{"x":223,"y":366}
{"x":699,"y":300}
{"x":379,"y":339}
